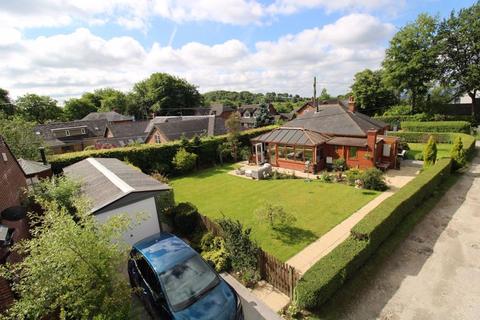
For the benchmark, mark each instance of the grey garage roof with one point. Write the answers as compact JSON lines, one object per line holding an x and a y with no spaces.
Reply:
{"x":106,"y":180}
{"x":293,"y":136}
{"x":32,"y":167}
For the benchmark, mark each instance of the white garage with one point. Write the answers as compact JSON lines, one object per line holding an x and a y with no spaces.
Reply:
{"x":114,"y":187}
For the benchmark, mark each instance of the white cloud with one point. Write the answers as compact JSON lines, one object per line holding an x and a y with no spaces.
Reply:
{"x":293,"y":6}
{"x":69,"y":64}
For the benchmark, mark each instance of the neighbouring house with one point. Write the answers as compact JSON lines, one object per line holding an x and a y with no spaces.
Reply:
{"x":318,"y":136}
{"x":218,"y":110}
{"x":110,"y":116}
{"x":121,"y":134}
{"x":169,"y":128}
{"x":248,"y":113}
{"x":114,"y":188}
{"x":12,"y":178}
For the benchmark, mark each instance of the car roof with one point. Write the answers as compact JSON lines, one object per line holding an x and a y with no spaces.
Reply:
{"x":164,"y":250}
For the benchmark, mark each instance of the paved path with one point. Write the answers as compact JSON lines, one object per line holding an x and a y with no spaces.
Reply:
{"x":306,"y":258}
{"x":435,"y":272}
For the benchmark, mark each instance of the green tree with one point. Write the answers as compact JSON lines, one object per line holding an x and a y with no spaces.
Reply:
{"x":184,"y":161}
{"x":459,"y":46}
{"x":275,"y":215}
{"x":371,"y":93}
{"x":264,"y":117}
{"x":112,"y":100}
{"x":21,"y":138}
{"x":6,"y":105}
{"x":410,"y":61}
{"x":233,"y":126}
{"x":164,"y":94}
{"x":76,"y":109}
{"x":72,"y":268}
{"x":458,"y":154}
{"x":430,"y":153}
{"x":324,"y":95}
{"x":39,"y":109}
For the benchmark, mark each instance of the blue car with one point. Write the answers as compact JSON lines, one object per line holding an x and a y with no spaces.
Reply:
{"x":174,"y":282}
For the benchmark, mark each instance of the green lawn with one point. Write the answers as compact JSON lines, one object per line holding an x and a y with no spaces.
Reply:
{"x":443,"y":150}
{"x":317,"y":206}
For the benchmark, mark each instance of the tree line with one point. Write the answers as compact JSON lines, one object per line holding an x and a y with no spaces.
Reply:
{"x":428,"y":62}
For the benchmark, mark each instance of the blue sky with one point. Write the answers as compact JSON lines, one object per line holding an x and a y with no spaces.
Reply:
{"x":63,"y":48}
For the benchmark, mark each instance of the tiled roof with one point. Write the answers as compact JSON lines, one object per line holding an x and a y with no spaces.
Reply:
{"x":128,"y":128}
{"x":94,"y":129}
{"x":174,"y":130}
{"x":293,"y":136}
{"x":106,"y":180}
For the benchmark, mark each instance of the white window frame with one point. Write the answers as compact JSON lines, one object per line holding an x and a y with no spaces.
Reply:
{"x":387,"y":150}
{"x":67,"y":133}
{"x":83,"y":131}
{"x":158,"y":138}
{"x":246,"y":114}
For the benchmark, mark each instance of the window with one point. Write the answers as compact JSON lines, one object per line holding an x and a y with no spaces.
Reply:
{"x":299,"y":154}
{"x":289,"y":152}
{"x":83,"y":131}
{"x":271,"y":149}
{"x":246,"y":114}
{"x":386,"y":150}
{"x":352,"y":152}
{"x":157,"y":138}
{"x":308,"y":154}
{"x":148,"y":274}
{"x":67,"y":133}
{"x":281,"y":151}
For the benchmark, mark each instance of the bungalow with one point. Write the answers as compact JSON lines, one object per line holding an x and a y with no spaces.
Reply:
{"x":319,"y":136}
{"x":114,"y":187}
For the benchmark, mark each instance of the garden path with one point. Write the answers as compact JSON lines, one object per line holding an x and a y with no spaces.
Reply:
{"x":395,"y":179}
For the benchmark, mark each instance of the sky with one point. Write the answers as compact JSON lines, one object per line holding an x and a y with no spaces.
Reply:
{"x":63,"y":48}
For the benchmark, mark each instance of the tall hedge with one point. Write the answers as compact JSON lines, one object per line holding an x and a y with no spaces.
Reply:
{"x":397,"y":119}
{"x":157,"y":157}
{"x":436,"y":126}
{"x":321,"y":281}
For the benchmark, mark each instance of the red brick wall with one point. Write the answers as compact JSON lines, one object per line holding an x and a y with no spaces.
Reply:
{"x":12,"y":179}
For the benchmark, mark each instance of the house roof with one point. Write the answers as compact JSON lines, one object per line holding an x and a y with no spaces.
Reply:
{"x":336,"y":120}
{"x":30,"y":167}
{"x":219,"y":109}
{"x":106,"y":180}
{"x":189,"y":127}
{"x":110,"y":116}
{"x":162,"y":119}
{"x":348,"y":141}
{"x":94,"y":128}
{"x":128,"y":128}
{"x":293,"y":136}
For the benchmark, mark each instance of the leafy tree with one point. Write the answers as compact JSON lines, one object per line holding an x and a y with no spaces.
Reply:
{"x":410,"y":61}
{"x":371,"y":93}
{"x":21,"y":138}
{"x":459,"y":44}
{"x":264,"y":117}
{"x":112,"y":100}
{"x":275,"y":215}
{"x":233,"y":126}
{"x":39,"y":109}
{"x":184,"y":161}
{"x":76,"y":109}
{"x":439,"y":95}
{"x":6,"y":105}
{"x":430,"y":153}
{"x":324,"y":95}
{"x":164,"y":94}
{"x":72,"y":268}
{"x":458,"y":154}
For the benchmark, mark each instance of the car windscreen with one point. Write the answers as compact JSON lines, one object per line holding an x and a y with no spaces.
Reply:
{"x":187,"y":281}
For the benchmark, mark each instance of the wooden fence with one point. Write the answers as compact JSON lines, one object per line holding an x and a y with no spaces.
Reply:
{"x":279,"y":274}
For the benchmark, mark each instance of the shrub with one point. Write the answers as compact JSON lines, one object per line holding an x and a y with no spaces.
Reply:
{"x":217,"y":254}
{"x":249,"y":277}
{"x":274,"y":215}
{"x":160,"y":177}
{"x":325,"y":177}
{"x":430,"y":153}
{"x":373,"y":179}
{"x":398,"y":110}
{"x":184,"y":161}
{"x":206,"y":242}
{"x":353,"y":175}
{"x":242,"y":250}
{"x":245,"y":153}
{"x":458,"y":154}
{"x":418,"y":156}
{"x":185,"y":218}
{"x":327,"y":275}
{"x":339,"y":164}
{"x":436,"y":126}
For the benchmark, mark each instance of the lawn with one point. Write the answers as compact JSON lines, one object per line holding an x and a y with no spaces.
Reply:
{"x":317,"y":206}
{"x":443,"y":150}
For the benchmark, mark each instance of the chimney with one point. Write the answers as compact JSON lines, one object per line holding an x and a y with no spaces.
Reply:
{"x":211,"y":125}
{"x":42,"y":155}
{"x":351,"y":104}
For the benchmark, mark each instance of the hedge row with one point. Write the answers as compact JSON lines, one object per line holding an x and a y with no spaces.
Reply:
{"x":157,"y":157}
{"x":330,"y":273}
{"x":436,"y":126}
{"x":422,"y":137}
{"x":397,"y":119}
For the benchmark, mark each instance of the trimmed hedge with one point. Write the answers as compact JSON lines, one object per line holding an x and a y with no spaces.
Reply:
{"x":422,"y":137}
{"x":157,"y":157}
{"x":322,"y":280}
{"x":397,"y":119}
{"x":436,"y":126}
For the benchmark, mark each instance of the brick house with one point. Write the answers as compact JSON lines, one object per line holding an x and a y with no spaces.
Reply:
{"x":248,"y":113}
{"x":12,"y":178}
{"x":327,"y":132}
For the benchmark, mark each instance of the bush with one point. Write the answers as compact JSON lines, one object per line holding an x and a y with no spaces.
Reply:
{"x":430,"y":153}
{"x":418,"y":156}
{"x":398,"y":110}
{"x":373,"y":179}
{"x":160,"y":177}
{"x":458,"y":154}
{"x":339,"y":164}
{"x":184,"y":161}
{"x":250,"y":277}
{"x":436,"y":126}
{"x":185,"y":218}
{"x":353,"y":175}
{"x":158,"y":157}
{"x":274,"y":215}
{"x":320,"y":282}
{"x":325,"y":177}
{"x":217,"y":254}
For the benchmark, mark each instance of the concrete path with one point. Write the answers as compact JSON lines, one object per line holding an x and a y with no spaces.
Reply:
{"x":253,"y":308}
{"x":306,"y":258}
{"x":435,"y":272}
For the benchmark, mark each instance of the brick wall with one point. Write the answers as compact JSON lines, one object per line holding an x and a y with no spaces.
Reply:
{"x":12,"y":179}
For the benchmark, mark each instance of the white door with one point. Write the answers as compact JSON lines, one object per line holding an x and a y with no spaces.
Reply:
{"x":259,"y":156}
